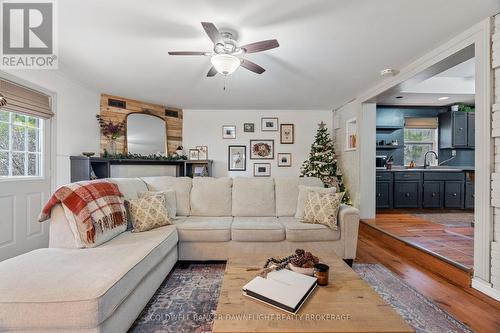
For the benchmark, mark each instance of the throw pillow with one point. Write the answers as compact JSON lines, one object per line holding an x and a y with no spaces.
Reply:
{"x":148,"y":212}
{"x":303,"y":191}
{"x":322,"y":208}
{"x":170,"y":202}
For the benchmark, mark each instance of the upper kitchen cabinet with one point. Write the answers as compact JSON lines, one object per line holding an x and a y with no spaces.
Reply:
{"x":456,"y":129}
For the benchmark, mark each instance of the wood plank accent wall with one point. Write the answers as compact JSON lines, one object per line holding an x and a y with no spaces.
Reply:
{"x":495,"y":193}
{"x":172,"y":116}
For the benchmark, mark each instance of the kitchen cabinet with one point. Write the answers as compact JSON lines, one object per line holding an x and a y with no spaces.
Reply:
{"x":407,"y":189}
{"x":469,"y":195}
{"x":453,"y":194}
{"x":424,"y":189}
{"x":432,"y":194}
{"x":457,"y":130}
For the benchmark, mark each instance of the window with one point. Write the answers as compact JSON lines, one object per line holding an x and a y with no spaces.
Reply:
{"x":418,"y":141}
{"x":20,"y":145}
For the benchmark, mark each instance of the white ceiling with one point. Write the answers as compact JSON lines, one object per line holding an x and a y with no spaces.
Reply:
{"x":456,"y":84}
{"x":330,"y":50}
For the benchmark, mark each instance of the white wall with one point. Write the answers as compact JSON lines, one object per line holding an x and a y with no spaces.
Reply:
{"x":204,"y":128}
{"x":349,"y":160}
{"x":76,"y":125}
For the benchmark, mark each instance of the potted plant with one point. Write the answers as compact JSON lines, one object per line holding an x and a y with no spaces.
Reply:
{"x":112,"y":131}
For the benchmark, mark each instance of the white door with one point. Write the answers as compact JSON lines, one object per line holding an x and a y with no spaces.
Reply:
{"x":25,"y":182}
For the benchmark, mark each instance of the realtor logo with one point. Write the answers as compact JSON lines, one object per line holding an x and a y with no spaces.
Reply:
{"x":28,"y":31}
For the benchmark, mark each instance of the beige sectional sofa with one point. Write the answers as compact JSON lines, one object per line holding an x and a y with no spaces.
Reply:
{"x":103,"y":289}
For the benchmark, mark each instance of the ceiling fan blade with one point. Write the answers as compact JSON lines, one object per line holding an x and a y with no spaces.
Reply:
{"x":212,"y":72}
{"x":187,"y":53}
{"x":260,"y":46}
{"x":212,"y":32}
{"x":251,"y":66}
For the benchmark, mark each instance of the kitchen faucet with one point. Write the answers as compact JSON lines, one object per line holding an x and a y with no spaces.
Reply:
{"x":426,"y":164}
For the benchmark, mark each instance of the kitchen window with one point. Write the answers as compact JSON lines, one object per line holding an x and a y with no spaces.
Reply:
{"x":420,"y":136}
{"x":20,"y":145}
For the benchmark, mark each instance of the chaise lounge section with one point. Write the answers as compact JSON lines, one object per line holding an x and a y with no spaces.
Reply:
{"x":103,"y":289}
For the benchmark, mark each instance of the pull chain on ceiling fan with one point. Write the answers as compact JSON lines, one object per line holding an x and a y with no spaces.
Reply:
{"x":226,"y":54}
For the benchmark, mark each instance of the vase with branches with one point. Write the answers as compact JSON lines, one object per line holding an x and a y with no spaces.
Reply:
{"x":112,"y":131}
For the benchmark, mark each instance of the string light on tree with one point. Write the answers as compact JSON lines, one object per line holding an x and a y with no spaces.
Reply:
{"x":323,"y":163}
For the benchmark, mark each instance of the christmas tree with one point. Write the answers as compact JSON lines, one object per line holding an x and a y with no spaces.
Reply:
{"x":323,"y":164}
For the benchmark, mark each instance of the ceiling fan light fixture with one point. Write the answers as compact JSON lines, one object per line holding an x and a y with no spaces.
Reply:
{"x":225,"y":64}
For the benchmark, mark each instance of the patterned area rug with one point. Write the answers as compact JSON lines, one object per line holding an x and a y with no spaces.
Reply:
{"x":416,"y":309}
{"x":187,"y":301}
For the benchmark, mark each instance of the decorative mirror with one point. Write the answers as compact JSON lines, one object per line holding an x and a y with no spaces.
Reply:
{"x":146,"y":134}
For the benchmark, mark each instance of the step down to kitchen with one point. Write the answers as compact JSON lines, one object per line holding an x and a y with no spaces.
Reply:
{"x":454,"y":272}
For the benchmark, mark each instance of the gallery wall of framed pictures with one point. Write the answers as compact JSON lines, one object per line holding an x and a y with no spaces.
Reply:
{"x":237,"y":139}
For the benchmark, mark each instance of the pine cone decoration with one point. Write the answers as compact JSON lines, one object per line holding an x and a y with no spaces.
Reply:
{"x":298,"y":261}
{"x":299,"y":252}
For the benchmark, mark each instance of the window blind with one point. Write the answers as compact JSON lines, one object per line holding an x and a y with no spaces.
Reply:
{"x":430,"y":122}
{"x":26,"y":101}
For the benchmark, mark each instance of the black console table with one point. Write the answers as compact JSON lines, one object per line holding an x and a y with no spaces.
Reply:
{"x":87,"y":168}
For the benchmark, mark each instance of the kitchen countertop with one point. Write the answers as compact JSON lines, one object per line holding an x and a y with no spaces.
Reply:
{"x":429,"y":169}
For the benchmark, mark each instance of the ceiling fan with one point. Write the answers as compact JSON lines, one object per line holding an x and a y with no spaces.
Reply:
{"x":226,"y":55}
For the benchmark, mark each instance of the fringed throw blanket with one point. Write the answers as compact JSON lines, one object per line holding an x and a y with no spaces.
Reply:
{"x":97,"y":205}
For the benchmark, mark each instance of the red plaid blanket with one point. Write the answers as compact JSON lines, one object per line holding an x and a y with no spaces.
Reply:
{"x":97,"y":205}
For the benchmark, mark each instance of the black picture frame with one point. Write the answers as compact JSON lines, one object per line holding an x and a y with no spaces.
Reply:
{"x":229,"y":158}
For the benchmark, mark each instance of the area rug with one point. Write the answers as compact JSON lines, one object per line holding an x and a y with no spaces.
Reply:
{"x":449,"y":219}
{"x":187,"y":301}
{"x":416,"y":309}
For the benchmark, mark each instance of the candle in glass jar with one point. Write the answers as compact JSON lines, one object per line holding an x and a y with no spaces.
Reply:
{"x":321,"y":272}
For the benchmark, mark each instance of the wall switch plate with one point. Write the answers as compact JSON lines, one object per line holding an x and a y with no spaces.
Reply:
{"x":453,"y":152}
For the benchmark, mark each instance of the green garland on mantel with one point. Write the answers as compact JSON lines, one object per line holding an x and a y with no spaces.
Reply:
{"x":151,"y":157}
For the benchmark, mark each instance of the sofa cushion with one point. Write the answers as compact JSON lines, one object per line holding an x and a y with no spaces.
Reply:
{"x":181,"y":186}
{"x":253,"y":197}
{"x":204,"y":229}
{"x":211,"y":196}
{"x":297,"y":231}
{"x":257,"y":229}
{"x":70,"y":289}
{"x":170,"y":203}
{"x":287,"y":192}
{"x":303,"y":195}
{"x":129,"y":186}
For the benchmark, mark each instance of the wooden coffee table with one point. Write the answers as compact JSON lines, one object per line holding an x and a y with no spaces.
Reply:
{"x":347,"y":304}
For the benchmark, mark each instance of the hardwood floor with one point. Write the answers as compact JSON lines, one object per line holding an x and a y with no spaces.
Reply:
{"x":455,"y":243}
{"x":479,"y":312}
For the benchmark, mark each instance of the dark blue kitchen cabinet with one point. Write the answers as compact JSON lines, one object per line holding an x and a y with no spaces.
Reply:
{"x":453,"y":194}
{"x":459,"y":126}
{"x":457,"y":129}
{"x":469,"y":195}
{"x":407,"y":189}
{"x":471,"y":130}
{"x":433,"y":194}
{"x":384,"y":187}
{"x":384,"y":194}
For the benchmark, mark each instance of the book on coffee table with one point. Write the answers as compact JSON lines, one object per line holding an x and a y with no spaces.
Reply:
{"x":283,"y":289}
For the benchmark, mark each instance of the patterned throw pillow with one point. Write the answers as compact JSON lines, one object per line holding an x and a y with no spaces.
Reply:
{"x":170,"y":201}
{"x":322,"y":208}
{"x":148,"y":212}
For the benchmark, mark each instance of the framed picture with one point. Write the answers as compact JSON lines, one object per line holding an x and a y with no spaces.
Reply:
{"x":262,"y":169}
{"x":203,"y":152}
{"x":284,"y":159}
{"x":229,"y":132}
{"x":287,"y":133}
{"x":261,"y":149}
{"x":194,"y":154}
{"x":269,"y":124}
{"x":237,"y":158}
{"x":249,"y":127}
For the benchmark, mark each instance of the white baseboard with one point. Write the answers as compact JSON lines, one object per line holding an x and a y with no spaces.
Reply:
{"x":486,"y":288}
